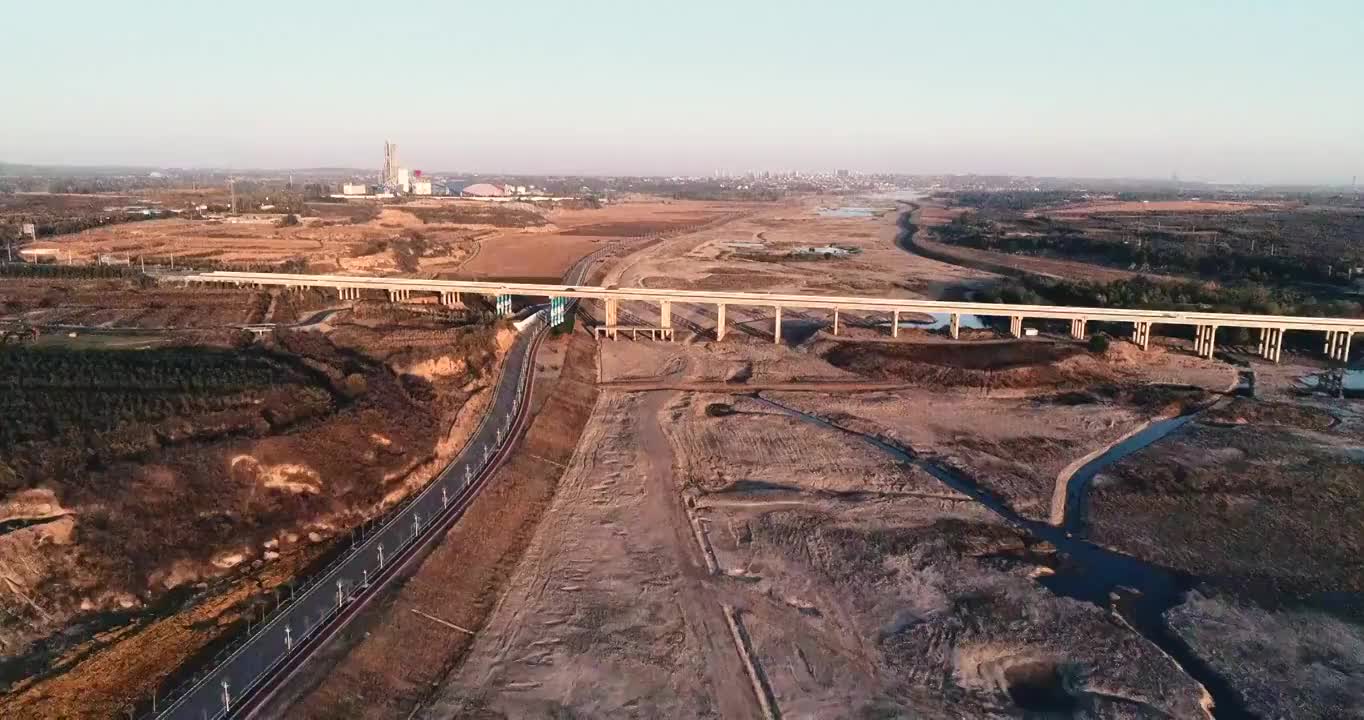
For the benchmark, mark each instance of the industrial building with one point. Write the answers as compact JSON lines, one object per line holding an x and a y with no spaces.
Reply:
{"x":485,"y":190}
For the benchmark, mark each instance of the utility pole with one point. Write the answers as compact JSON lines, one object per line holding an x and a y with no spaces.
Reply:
{"x":232,"y":185}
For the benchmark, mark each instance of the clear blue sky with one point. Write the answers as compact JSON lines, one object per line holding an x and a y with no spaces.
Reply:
{"x":1233,"y":91}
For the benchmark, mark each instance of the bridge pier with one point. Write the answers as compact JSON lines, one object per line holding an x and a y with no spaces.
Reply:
{"x":504,"y":305}
{"x":1338,"y":344}
{"x":776,"y":327}
{"x":398,"y":295}
{"x":1271,"y":343}
{"x":1077,"y":328}
{"x":954,"y":326}
{"x":720,"y":321}
{"x":835,"y":321}
{"x":895,"y":323}
{"x":1205,"y":341}
{"x":612,"y":315}
{"x":665,"y":317}
{"x":1016,"y":325}
{"x":1141,"y":334}
{"x":449,"y":299}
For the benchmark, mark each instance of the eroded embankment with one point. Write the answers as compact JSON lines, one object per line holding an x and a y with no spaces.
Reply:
{"x":986,"y":365}
{"x":202,"y":479}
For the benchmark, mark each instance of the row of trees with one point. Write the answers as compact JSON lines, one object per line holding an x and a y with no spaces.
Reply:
{"x":108,"y":401}
{"x":1153,"y":250}
{"x":70,"y":272}
{"x":1142,"y":292}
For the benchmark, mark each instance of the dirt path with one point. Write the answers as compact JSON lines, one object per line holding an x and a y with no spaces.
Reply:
{"x":700,"y":608}
{"x":611,"y":612}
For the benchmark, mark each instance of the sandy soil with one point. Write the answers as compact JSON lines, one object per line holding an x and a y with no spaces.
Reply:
{"x":610,"y":612}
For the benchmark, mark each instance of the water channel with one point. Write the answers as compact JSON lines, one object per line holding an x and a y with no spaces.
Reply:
{"x":1139,"y":591}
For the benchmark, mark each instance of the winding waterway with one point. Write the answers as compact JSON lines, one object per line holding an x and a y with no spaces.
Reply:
{"x":1139,"y":591}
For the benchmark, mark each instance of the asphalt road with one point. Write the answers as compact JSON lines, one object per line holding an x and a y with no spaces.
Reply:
{"x":274,"y":649}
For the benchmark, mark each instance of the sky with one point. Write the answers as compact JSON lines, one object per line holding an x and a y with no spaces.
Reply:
{"x":1211,"y":90}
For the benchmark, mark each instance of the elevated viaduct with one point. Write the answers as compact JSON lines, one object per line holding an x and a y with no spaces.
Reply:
{"x":1337,"y":332}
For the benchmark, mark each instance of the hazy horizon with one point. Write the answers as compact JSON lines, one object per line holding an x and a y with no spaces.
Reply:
{"x":1222,"y":92}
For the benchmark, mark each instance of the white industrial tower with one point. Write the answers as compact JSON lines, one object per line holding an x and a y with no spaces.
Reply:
{"x":390,"y":178}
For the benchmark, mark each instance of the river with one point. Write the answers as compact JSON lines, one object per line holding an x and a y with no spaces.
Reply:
{"x":1140,"y":592}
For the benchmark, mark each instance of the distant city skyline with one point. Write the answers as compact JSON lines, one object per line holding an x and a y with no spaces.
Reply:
{"x":1221,"y":91}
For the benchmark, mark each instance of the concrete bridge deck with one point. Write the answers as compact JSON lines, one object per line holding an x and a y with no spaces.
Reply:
{"x":1338,"y":331}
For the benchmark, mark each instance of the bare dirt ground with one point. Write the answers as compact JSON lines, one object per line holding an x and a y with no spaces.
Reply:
{"x":423,"y":238}
{"x":708,"y":557}
{"x":608,"y":613}
{"x":576,"y":233}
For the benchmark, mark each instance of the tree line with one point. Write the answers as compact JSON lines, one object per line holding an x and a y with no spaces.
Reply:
{"x":1153,"y":250}
{"x":1142,"y":292}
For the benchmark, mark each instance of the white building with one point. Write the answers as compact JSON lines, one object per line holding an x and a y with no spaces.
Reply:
{"x":421,"y":187}
{"x":354,"y":189}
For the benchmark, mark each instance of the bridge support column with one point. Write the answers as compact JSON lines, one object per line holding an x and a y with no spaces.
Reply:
{"x":1338,"y":344}
{"x":776,"y":327}
{"x":1016,"y":326}
{"x":612,"y":316}
{"x":835,"y":321}
{"x":895,"y":323}
{"x":720,"y":321}
{"x":1205,"y":342}
{"x":1141,"y":334}
{"x":954,"y":326}
{"x":665,"y":316}
{"x":1271,"y":343}
{"x":1077,"y":328}
{"x":504,"y":305}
